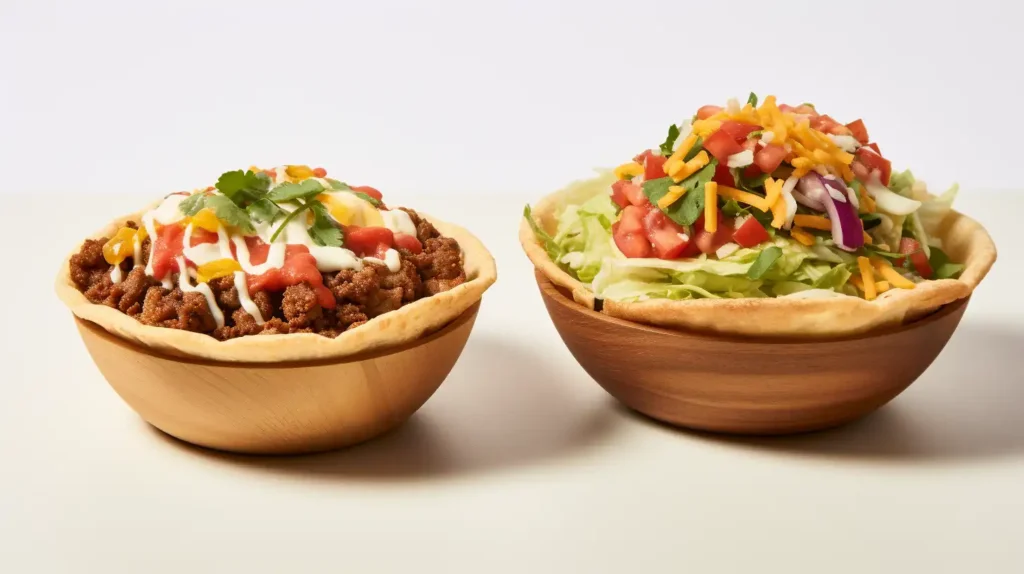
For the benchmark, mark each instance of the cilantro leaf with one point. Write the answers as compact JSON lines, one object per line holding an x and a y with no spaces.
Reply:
{"x":229,"y":213}
{"x":697,"y":146}
{"x":755,"y":184}
{"x":339,"y":185}
{"x":373,"y":200}
{"x":192,"y":204}
{"x":732,"y":208}
{"x":688,"y":209}
{"x":764,"y":262}
{"x":324,"y":231}
{"x":942,"y":266}
{"x":243,"y":187}
{"x":264,"y":210}
{"x":670,"y":140}
{"x":288,"y":191}
{"x":289,"y":218}
{"x":752,"y":99}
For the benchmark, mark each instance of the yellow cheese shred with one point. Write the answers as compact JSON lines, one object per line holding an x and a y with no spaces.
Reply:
{"x":711,"y":206}
{"x":779,"y":213}
{"x":673,"y":195}
{"x":689,"y":168}
{"x":743,"y":197}
{"x":867,"y":277}
{"x":802,"y":236}
{"x":629,"y":170}
{"x":812,"y":222}
{"x":891,"y":275}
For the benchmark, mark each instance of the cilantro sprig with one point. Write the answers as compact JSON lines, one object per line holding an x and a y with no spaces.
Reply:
{"x":246,"y":196}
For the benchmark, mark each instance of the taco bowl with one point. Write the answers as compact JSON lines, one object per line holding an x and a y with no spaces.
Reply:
{"x":815,"y":244}
{"x":268,"y":277}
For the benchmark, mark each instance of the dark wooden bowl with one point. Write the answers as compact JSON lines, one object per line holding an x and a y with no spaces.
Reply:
{"x":742,"y":385}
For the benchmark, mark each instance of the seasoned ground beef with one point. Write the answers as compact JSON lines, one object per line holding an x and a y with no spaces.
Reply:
{"x":360,"y":295}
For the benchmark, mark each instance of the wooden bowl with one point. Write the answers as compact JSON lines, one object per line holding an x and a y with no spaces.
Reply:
{"x":278,"y":408}
{"x":747,"y":386}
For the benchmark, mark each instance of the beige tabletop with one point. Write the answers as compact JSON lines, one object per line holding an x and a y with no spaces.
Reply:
{"x":520,"y":462}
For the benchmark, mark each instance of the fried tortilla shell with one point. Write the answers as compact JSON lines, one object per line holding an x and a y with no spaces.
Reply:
{"x":963,"y":239}
{"x":410,"y":322}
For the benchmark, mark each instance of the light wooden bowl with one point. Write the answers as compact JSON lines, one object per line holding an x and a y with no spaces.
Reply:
{"x":747,"y":386}
{"x":278,"y":408}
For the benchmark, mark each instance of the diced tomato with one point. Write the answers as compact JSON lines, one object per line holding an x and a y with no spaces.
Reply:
{"x":200,"y":236}
{"x":770,"y":157}
{"x":918,"y":259}
{"x":710,"y":242}
{"x":738,"y":130}
{"x":752,"y":171}
{"x":629,"y":233}
{"x":751,"y":233}
{"x":372,"y":192}
{"x":723,"y":176}
{"x":826,"y":124}
{"x":633,"y":193}
{"x":632,"y":219}
{"x":721,"y":145}
{"x":320,"y":172}
{"x":806,"y":110}
{"x":168,"y":245}
{"x":271,"y":172}
{"x":859,"y":131}
{"x":668,"y":238}
{"x":368,"y":241}
{"x":299,"y":267}
{"x":874,"y":146}
{"x":619,"y":193}
{"x":408,"y":242}
{"x":642,"y":156}
{"x":706,"y":112}
{"x":871,"y":160}
{"x":654,"y":167}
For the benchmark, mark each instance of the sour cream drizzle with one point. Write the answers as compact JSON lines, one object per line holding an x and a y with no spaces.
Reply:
{"x":186,"y":287}
{"x":328,"y":259}
{"x":243,"y":297}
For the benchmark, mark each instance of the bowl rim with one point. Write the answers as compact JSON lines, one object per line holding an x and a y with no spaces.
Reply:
{"x":467,"y":316}
{"x":552,"y":291}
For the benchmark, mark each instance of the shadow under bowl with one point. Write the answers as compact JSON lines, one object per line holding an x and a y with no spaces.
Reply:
{"x":278,"y":408}
{"x":741,"y":385}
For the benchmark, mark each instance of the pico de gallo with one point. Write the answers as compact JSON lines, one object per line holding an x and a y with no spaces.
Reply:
{"x":768,"y":200}
{"x":278,"y":250}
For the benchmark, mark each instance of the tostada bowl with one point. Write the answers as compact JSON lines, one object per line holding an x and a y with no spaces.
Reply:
{"x":278,"y":311}
{"x":763,"y":270}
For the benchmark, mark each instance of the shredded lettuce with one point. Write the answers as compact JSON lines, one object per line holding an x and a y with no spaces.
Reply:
{"x":584,"y":236}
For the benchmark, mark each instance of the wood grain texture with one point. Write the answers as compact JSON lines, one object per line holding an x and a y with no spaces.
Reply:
{"x":747,"y":386}
{"x":282,"y":408}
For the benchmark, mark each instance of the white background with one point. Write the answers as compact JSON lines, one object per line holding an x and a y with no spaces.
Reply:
{"x":481,"y":96}
{"x":520,"y":463}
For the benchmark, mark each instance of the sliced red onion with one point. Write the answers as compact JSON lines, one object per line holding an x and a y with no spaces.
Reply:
{"x":810,"y":192}
{"x":847,"y":230}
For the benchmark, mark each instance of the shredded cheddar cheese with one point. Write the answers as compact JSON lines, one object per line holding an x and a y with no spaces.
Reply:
{"x":867,"y":277}
{"x":802,"y":236}
{"x":812,"y":222}
{"x":891,"y":275}
{"x":711,"y":206}
{"x":741,"y":196}
{"x":689,"y":168}
{"x":629,"y":170}
{"x":673,"y":195}
{"x":882,"y":286}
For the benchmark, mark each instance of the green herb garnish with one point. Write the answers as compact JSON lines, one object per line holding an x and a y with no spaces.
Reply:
{"x":670,"y":140}
{"x":688,"y":209}
{"x":324,"y":231}
{"x":228,"y":212}
{"x":193,"y":204}
{"x":287,"y":191}
{"x":764,"y":262}
{"x":752,"y":99}
{"x":365,"y":197}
